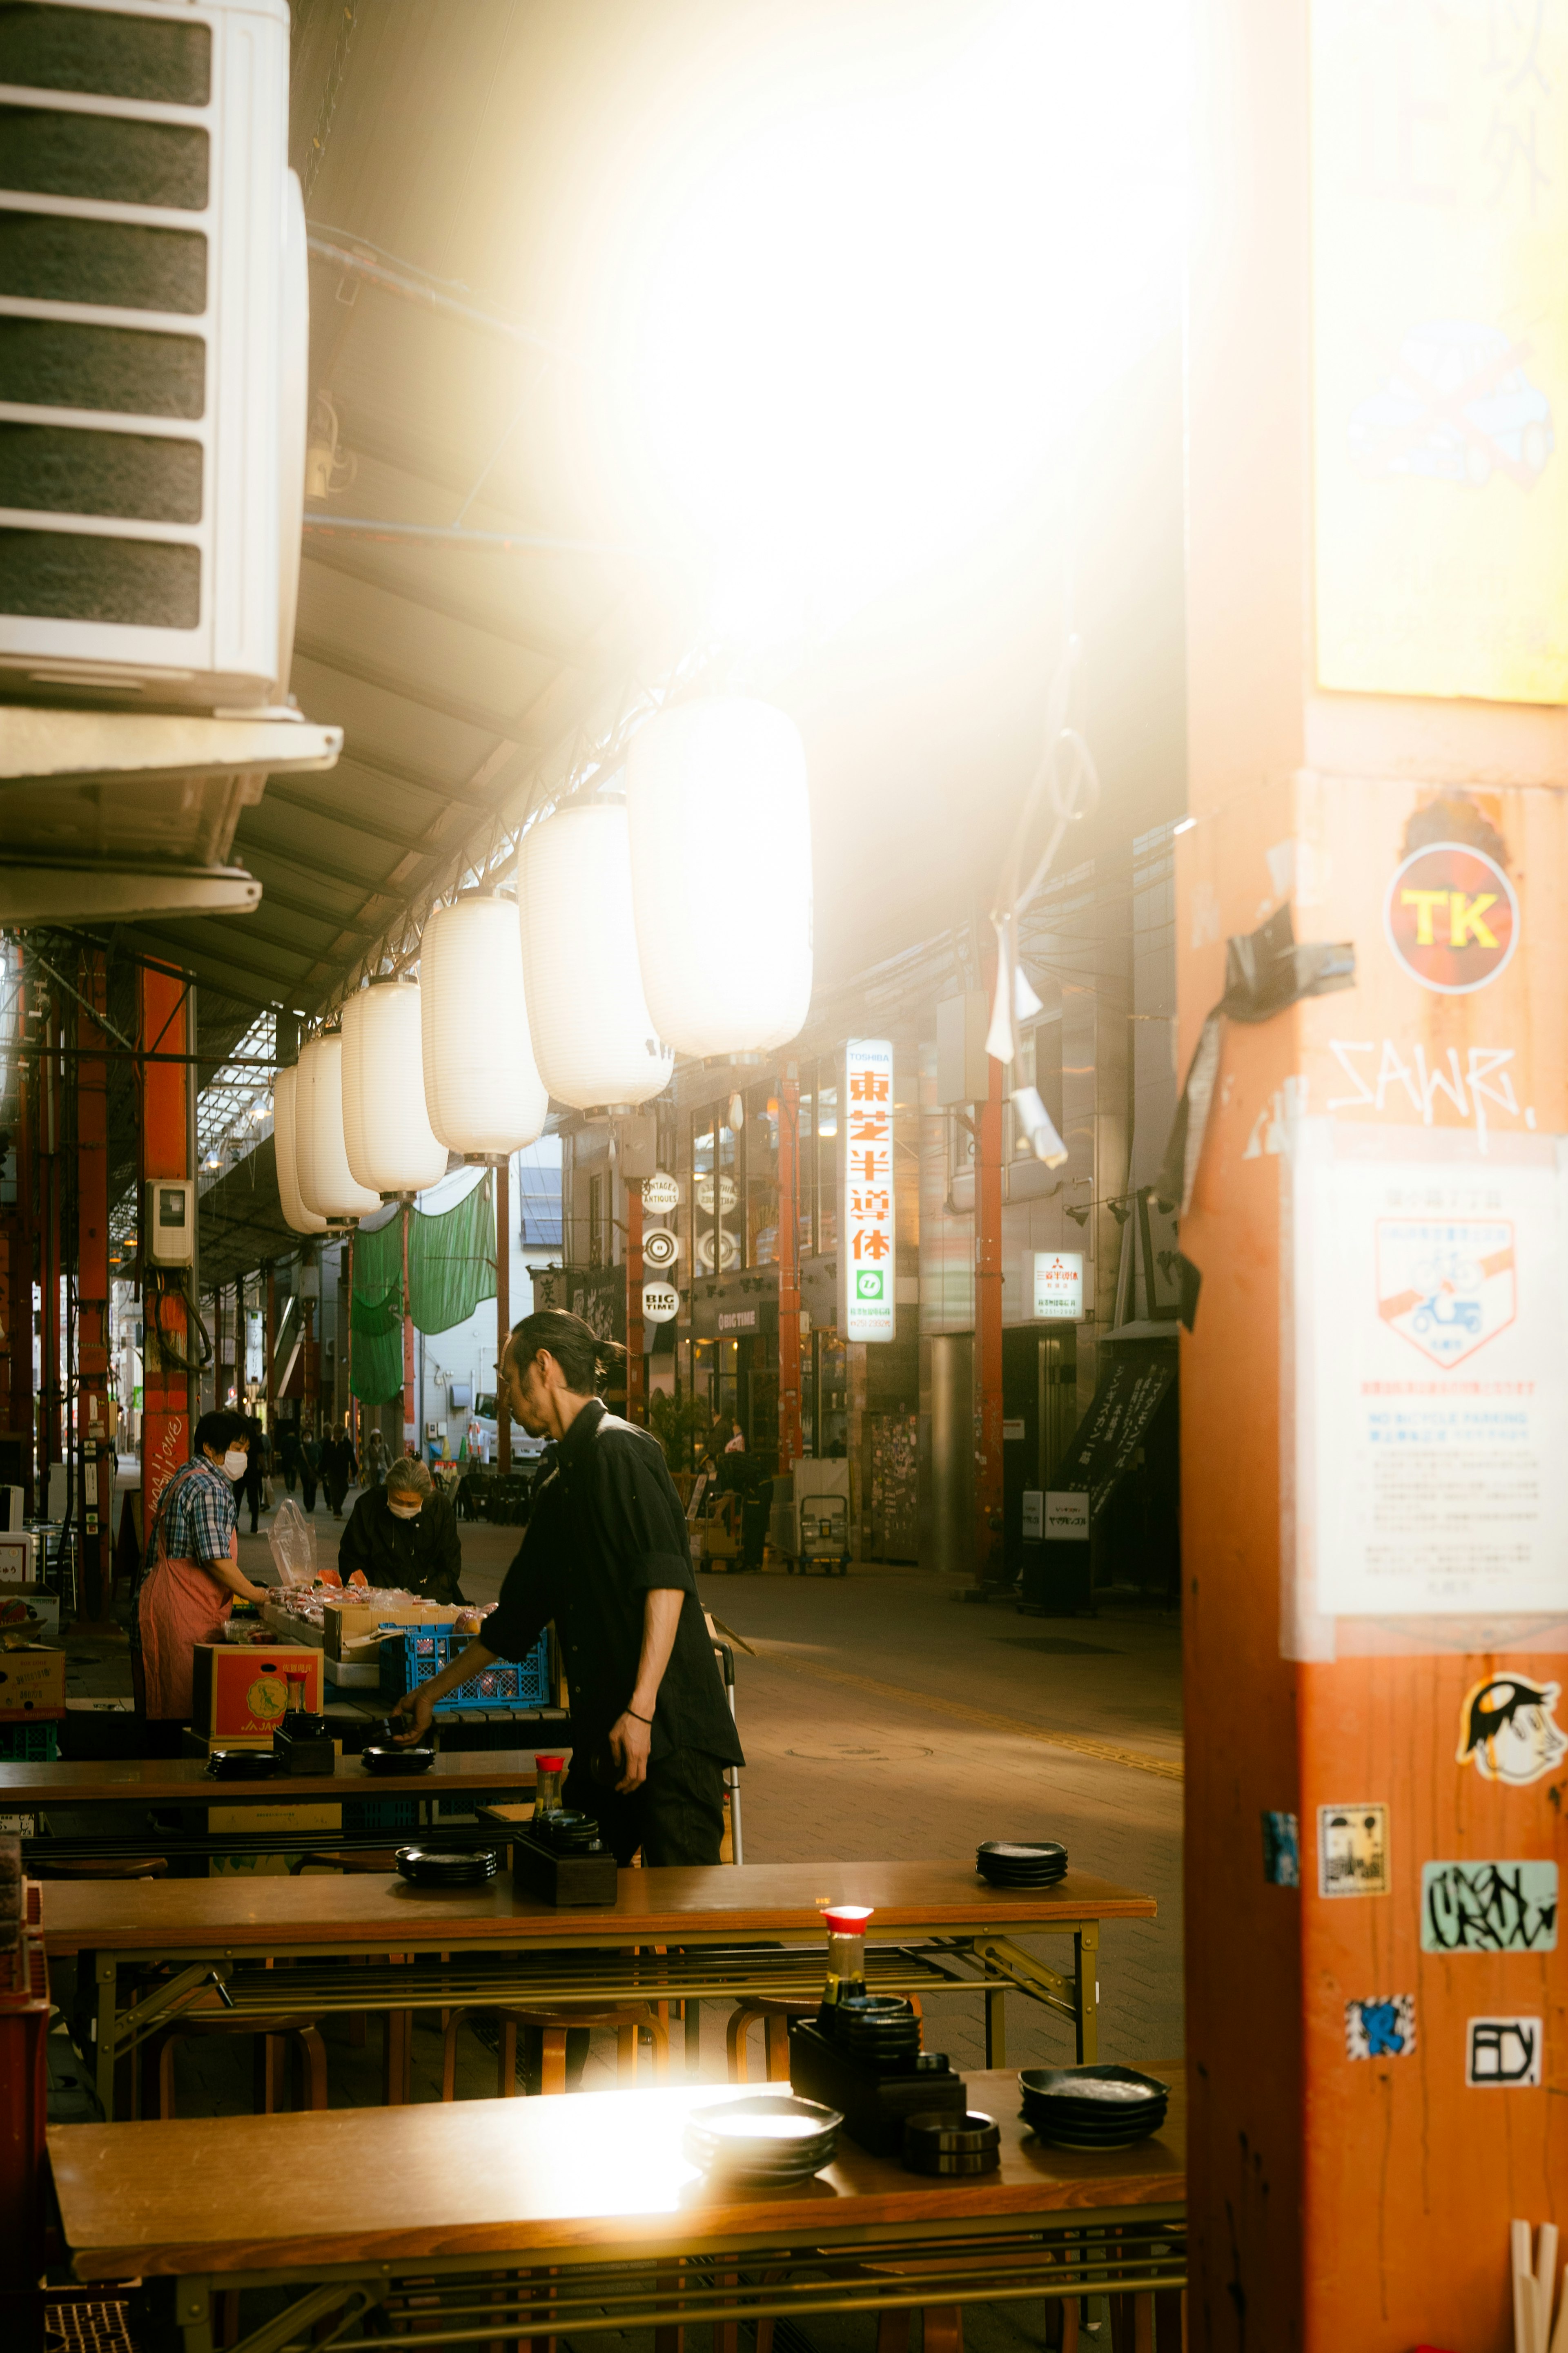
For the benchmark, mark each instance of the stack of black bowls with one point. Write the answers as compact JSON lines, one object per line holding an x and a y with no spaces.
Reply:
{"x":881,"y":2028}
{"x":765,"y":2142}
{"x":568,"y":1834}
{"x":1092,"y":2107}
{"x":1021,"y":1862}
{"x":426,"y":1866}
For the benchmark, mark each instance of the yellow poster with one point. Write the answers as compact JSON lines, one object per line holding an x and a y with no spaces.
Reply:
{"x":1440,"y":340}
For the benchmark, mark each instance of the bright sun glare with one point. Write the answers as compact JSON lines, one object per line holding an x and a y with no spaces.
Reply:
{"x":867,"y":324}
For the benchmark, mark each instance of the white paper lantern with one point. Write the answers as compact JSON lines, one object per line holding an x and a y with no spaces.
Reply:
{"x":387,"y":1129}
{"x":296,"y":1216}
{"x":482,"y":1088}
{"x":592,"y":1036}
{"x":721,"y":837}
{"x":321,"y":1160}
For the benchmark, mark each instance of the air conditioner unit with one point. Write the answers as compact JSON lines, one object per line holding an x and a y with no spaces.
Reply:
{"x":153,"y":352}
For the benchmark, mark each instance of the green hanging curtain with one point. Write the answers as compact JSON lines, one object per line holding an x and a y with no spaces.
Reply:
{"x":452,"y":1261}
{"x":375,"y":1313}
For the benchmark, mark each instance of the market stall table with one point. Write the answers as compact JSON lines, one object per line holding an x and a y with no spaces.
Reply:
{"x":672,"y":1935}
{"x":126,"y":1791}
{"x":493,"y":2219}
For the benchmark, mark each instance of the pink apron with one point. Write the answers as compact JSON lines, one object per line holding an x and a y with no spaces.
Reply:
{"x":179,"y":1606}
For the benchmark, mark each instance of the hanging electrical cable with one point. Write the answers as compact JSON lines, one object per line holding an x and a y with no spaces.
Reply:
{"x":166,"y":1283}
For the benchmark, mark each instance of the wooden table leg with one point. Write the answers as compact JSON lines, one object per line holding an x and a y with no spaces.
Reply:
{"x":996,"y":2024}
{"x":1069,"y":2324}
{"x":1086,"y":1955}
{"x":893,"y":2330}
{"x":943,"y":2327}
{"x":693,"y":2036}
{"x":397,"y":2057}
{"x":104,"y":1974}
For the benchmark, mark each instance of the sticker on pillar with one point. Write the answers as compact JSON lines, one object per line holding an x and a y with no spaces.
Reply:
{"x":1383,"y":2028}
{"x":1281,"y":1851}
{"x":1507,"y":1729}
{"x":1488,"y":1908}
{"x":1504,"y":2053}
{"x":1451,"y":917}
{"x":1352,"y":1850}
{"x":1446,"y":1285}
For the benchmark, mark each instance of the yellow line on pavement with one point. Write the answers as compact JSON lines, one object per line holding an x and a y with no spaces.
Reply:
{"x":1166,"y":1768}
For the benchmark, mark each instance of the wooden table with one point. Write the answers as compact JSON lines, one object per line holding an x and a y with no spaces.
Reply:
{"x":578,"y":2215}
{"x":949,"y":1931}
{"x":182,"y":1784}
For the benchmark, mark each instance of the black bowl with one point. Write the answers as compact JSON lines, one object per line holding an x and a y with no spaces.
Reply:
{"x":415,"y":1758}
{"x":1106,"y":2091}
{"x":1031,"y":1852}
{"x":241,"y":1764}
{"x":768,"y":2140}
{"x":447,"y":1866}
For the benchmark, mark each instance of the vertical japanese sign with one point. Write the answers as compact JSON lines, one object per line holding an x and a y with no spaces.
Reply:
{"x":1440,"y":347}
{"x":868,"y":1254}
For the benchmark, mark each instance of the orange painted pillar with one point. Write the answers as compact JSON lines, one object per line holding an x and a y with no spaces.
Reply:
{"x":790,"y":1445}
{"x":988,"y":1332}
{"x":165,"y":1025}
{"x":1376,"y":1610}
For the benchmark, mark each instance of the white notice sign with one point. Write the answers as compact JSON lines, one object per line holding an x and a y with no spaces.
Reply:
{"x":1057,"y":1283}
{"x":1067,"y":1517}
{"x":1431,"y":1379}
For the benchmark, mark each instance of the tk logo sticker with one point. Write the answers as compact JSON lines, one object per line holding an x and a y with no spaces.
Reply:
{"x":1451,"y":918}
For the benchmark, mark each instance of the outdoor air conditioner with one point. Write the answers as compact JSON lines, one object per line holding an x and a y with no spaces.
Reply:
{"x":153,"y":352}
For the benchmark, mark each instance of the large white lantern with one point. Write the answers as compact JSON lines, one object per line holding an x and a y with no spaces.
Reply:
{"x":387,"y":1129}
{"x":296,"y":1217}
{"x":482,"y":1088}
{"x":321,"y":1160}
{"x":721,"y":842}
{"x":594,"y":1037}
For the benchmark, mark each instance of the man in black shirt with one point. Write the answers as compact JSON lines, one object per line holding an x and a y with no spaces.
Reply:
{"x":405,"y":1535}
{"x":607,"y":1556}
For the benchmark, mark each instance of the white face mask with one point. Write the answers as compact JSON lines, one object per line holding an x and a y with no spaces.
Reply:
{"x":402,"y":1510}
{"x":235,"y":1462}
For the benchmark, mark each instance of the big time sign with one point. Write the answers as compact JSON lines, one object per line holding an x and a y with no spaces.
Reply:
{"x":868,"y":1254}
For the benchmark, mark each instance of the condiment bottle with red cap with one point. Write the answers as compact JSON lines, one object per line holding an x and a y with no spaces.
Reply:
{"x":846,"y":1926}
{"x":547,"y":1772}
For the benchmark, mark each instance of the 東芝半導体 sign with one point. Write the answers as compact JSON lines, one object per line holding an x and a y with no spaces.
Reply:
{"x":1055,"y":1282}
{"x":867,"y":1251}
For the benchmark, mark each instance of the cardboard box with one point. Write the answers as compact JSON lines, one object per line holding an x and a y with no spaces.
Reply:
{"x":240,"y":1690}
{"x":43,"y":1609}
{"x":32,"y":1682}
{"x":349,"y":1620}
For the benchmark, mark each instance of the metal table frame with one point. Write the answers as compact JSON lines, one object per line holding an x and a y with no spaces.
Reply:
{"x":584,"y":1967}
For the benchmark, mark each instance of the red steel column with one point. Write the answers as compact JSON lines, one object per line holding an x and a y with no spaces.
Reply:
{"x":790,"y":1445}
{"x":988,"y":1331}
{"x":95,"y":1499}
{"x":637,"y":1363}
{"x":503,"y":1311}
{"x":165,"y":1026}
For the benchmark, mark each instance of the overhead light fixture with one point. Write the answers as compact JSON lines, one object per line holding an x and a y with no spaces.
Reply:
{"x":1079,"y":1216}
{"x":482,"y":1087}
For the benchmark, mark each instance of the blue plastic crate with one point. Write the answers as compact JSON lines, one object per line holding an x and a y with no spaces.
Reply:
{"x":29,"y":1744}
{"x":411,"y":1655}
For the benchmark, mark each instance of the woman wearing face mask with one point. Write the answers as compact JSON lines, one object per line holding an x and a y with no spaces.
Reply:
{"x":188,"y":1591}
{"x":403,"y":1536}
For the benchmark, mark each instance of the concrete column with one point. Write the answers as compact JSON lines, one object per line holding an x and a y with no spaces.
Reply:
{"x":1376,"y":1612}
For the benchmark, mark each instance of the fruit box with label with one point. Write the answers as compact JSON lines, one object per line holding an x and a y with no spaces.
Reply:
{"x":348,"y":1623}
{"x":242,"y":1690}
{"x":32,"y":1682}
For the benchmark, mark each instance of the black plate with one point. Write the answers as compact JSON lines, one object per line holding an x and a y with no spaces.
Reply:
{"x":1029,"y":1850}
{"x":1056,"y":2137}
{"x":1125,"y":2089}
{"x":241,"y":1764}
{"x":771,"y":2137}
{"x":958,"y":2134}
{"x":445,"y":1866}
{"x":390,"y":1761}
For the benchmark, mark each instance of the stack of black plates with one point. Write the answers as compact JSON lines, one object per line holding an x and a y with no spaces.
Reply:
{"x":568,"y":1834}
{"x":944,"y":2143}
{"x":767,"y":2142}
{"x":428,"y":1866}
{"x":241,"y":1764}
{"x":1092,"y":2107}
{"x":417,"y":1757}
{"x":880,"y":2027}
{"x":1021,"y":1862}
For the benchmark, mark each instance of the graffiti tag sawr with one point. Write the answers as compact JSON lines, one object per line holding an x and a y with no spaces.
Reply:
{"x":1488,"y":1908}
{"x":1483,"y":1079}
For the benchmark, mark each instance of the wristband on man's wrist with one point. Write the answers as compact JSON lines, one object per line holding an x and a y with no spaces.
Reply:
{"x":638,"y":1719}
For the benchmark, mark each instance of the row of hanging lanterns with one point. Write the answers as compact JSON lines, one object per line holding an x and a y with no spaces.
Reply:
{"x":675,"y":919}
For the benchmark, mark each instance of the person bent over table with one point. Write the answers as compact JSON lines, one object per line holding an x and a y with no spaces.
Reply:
{"x":405,"y":1535}
{"x":187,"y":1595}
{"x":607,"y":1555}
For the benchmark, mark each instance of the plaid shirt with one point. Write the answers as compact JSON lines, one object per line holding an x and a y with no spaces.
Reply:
{"x":198,"y":1512}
